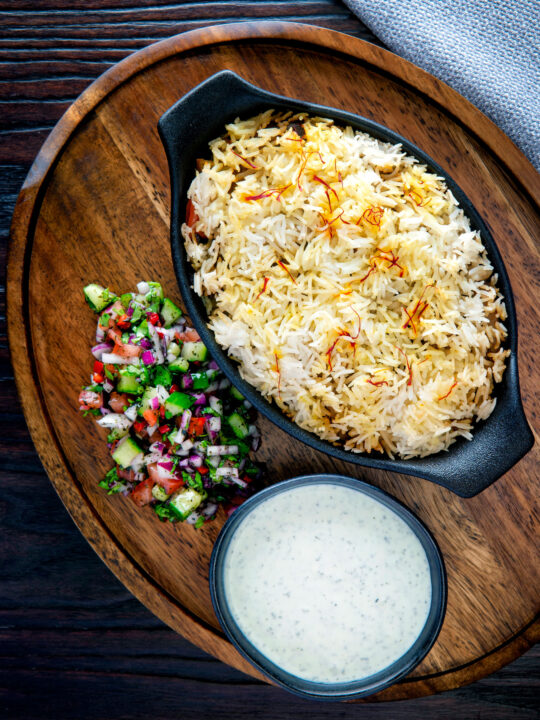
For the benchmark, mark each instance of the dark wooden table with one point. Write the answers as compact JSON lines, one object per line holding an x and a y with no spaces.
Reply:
{"x":73,"y":642}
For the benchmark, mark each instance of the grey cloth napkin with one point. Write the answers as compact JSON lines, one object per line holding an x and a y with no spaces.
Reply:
{"x":487,"y":50}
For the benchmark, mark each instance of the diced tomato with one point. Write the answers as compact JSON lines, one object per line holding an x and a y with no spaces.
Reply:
{"x":98,"y":366}
{"x":98,"y":378}
{"x":171,"y":485}
{"x":188,"y":336}
{"x":118,"y":402}
{"x":154,"y":318}
{"x":169,"y":482}
{"x":139,"y":426}
{"x":191,"y":215}
{"x":89,"y":399}
{"x":126,"y":350}
{"x":203,"y":470}
{"x":162,"y":411}
{"x":112,"y":369}
{"x":164,"y":429}
{"x":174,"y":388}
{"x":115,"y":335}
{"x":150,"y":416}
{"x":142,"y":494}
{"x":128,"y":474}
{"x":124,"y":323}
{"x":247,"y":479}
{"x":196,"y":426}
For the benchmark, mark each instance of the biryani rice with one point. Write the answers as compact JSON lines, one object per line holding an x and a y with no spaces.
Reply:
{"x":347,"y":283}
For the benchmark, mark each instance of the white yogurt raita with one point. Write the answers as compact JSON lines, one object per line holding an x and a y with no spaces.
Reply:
{"x":328,"y":583}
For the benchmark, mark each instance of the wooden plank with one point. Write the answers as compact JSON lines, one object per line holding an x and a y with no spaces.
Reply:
{"x":102,"y":168}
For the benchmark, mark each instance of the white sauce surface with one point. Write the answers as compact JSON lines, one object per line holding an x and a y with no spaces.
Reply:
{"x":328,"y":583}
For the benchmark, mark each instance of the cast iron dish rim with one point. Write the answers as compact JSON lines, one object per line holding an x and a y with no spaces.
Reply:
{"x":463,"y":469}
{"x":332,"y":691}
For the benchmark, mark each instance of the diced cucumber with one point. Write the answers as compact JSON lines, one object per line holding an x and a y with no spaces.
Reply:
{"x":179,"y":365}
{"x":128,"y":382}
{"x":98,"y":297}
{"x":236,"y":393}
{"x":185,"y":501}
{"x":155,"y":292}
{"x":126,"y":451}
{"x":178,"y":402}
{"x":159,"y":493}
{"x":238,"y":425}
{"x":173,"y":349}
{"x":194,"y":351}
{"x":162,"y":376}
{"x":200,"y":380}
{"x":125,"y":298}
{"x":146,"y":401}
{"x":170,"y":313}
{"x":142,"y":330}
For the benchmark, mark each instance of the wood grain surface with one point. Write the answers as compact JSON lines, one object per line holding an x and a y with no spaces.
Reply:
{"x":487,"y":544}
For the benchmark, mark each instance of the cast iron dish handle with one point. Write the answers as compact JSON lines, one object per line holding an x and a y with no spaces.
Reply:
{"x":200,"y":116}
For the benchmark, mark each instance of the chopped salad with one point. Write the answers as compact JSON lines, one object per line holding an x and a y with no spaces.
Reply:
{"x":179,"y":433}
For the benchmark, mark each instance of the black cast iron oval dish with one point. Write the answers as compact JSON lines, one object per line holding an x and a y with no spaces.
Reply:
{"x":331,"y":691}
{"x":186,"y":129}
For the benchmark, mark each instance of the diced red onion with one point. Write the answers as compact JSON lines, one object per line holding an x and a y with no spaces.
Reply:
{"x":192,"y":519}
{"x":168,"y":465}
{"x":178,"y":437}
{"x":184,"y":422}
{"x":148,"y":357}
{"x":151,"y":429}
{"x":129,"y":311}
{"x":184,"y":464}
{"x":154,"y":337}
{"x":100,"y":348}
{"x":152,"y":457}
{"x":222,"y":450}
{"x":104,"y":411}
{"x":210,"y":509}
{"x":195,"y":460}
{"x":211,"y":388}
{"x":154,"y":402}
{"x":108,"y":386}
{"x":157,"y":447}
{"x":224,"y":384}
{"x":216,"y":404}
{"x":200,"y":398}
{"x":130,"y":412}
{"x":113,"y":359}
{"x":213,"y":424}
{"x":137,"y":462}
{"x":146,"y":344}
{"x":212,"y":365}
{"x":227,"y":472}
{"x":100,"y":333}
{"x":187,"y":382}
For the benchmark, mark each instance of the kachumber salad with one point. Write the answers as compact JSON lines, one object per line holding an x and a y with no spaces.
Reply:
{"x":179,"y":434}
{"x":347,"y":282}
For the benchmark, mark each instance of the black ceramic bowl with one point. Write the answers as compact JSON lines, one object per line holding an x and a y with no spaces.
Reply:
{"x":317,"y":690}
{"x":200,"y":116}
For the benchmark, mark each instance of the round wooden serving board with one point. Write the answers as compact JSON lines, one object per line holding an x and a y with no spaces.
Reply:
{"x":95,"y":207}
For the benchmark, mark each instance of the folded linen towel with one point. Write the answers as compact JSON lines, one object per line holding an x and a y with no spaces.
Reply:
{"x":488,"y":50}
